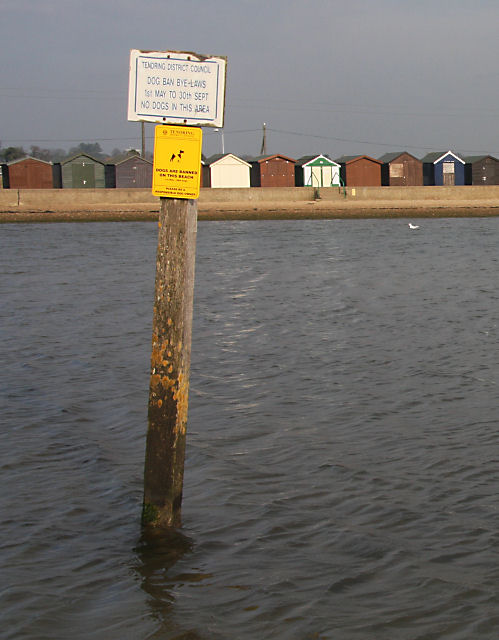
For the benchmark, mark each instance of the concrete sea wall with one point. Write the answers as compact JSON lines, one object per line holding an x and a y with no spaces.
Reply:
{"x":72,"y":199}
{"x":283,"y":202}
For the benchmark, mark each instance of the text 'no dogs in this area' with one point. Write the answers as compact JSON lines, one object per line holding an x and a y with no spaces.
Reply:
{"x":176,"y":88}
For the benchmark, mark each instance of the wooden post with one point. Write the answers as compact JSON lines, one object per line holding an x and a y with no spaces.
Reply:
{"x":143,"y":135}
{"x":170,"y":363}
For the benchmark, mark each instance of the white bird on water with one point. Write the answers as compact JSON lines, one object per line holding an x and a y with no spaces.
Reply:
{"x":413,"y":226}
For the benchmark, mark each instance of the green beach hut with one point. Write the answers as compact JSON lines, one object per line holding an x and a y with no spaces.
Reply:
{"x":317,"y":171}
{"x":83,"y":172}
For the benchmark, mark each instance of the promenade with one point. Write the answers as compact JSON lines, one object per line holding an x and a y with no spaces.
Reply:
{"x":38,"y":205}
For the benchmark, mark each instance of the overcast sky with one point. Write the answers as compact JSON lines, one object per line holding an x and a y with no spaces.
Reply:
{"x":326,"y":76}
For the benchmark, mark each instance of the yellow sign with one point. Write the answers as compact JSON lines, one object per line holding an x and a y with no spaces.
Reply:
{"x":177,"y":162}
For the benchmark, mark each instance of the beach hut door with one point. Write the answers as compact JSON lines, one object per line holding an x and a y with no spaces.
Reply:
{"x":316,"y":176}
{"x":448,"y":174}
{"x":83,"y":175}
{"x":321,"y":176}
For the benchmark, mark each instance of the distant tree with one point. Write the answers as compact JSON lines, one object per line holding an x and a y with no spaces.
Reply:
{"x":90,"y":148}
{"x":49,"y":155}
{"x":41,"y":154}
{"x":12,"y":153}
{"x":56,"y":155}
{"x":118,"y":155}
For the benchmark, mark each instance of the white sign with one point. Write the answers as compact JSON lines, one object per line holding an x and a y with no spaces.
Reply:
{"x":174,"y":87}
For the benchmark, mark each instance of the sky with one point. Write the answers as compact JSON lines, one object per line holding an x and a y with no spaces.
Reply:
{"x":327,"y":76}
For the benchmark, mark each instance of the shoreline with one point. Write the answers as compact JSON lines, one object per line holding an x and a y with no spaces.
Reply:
{"x":307,"y":210}
{"x":280,"y":203}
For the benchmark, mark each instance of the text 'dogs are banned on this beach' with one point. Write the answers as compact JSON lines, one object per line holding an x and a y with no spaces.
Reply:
{"x":177,"y":162}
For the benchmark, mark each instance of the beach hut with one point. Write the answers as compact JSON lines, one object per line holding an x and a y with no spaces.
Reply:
{"x":443,"y":169}
{"x":133,"y":172}
{"x":360,"y":171}
{"x":273,"y":171}
{"x":84,"y":172}
{"x":228,"y":171}
{"x":481,"y":170}
{"x":28,"y":173}
{"x":4,"y":176}
{"x":205,"y":172}
{"x":317,"y":171}
{"x":401,"y":169}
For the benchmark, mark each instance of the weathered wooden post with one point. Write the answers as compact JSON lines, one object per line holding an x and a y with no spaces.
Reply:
{"x":181,"y":89}
{"x":170,"y":362}
{"x":176,"y":171}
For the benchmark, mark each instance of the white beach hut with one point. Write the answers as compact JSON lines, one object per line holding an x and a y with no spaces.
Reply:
{"x":228,"y":170}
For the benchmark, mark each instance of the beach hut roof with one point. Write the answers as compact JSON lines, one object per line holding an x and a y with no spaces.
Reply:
{"x":304,"y":160}
{"x":393,"y":155}
{"x":134,"y":157}
{"x":219,"y":156}
{"x":472,"y":159}
{"x":436,"y":156}
{"x":347,"y":159}
{"x":79,"y":155}
{"x":271,"y":157}
{"x":27,"y":158}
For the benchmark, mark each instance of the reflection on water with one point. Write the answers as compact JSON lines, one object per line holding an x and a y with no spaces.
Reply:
{"x":157,"y":554}
{"x":342,"y":466}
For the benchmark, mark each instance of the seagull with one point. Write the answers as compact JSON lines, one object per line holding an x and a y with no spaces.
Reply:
{"x":413,"y":226}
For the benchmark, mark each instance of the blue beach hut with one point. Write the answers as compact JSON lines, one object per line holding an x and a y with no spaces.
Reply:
{"x":443,"y":169}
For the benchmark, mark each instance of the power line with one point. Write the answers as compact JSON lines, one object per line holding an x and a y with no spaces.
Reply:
{"x":268,"y":104}
{"x":357,"y":109}
{"x":93,"y":139}
{"x":302,"y":134}
{"x":60,"y":93}
{"x":63,"y":140}
{"x":366,"y":142}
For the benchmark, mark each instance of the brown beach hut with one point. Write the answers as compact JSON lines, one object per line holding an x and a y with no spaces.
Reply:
{"x":273,"y":171}
{"x":360,"y":171}
{"x":133,"y":172}
{"x":481,"y":170}
{"x":401,"y":169}
{"x":28,"y":173}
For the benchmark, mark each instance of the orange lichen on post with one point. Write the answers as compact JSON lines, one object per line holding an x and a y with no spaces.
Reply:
{"x":170,"y":364}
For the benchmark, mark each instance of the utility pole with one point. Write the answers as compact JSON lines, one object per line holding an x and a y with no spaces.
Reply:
{"x":221,"y":131}
{"x":263,"y":149}
{"x":143,"y":126}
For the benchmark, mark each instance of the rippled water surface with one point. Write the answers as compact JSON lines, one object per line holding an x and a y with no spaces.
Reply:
{"x":342,"y":472}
